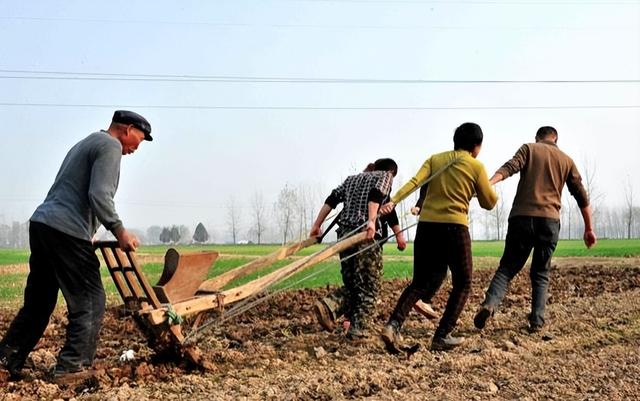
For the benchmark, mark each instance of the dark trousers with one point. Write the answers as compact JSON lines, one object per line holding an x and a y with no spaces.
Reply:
{"x":523,"y":235}
{"x":439,"y":246}
{"x":59,"y":261}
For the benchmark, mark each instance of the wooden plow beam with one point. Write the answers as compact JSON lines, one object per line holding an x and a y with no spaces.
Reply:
{"x":177,"y":301}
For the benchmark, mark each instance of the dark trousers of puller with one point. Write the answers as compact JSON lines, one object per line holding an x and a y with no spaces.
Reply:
{"x":524,"y":234}
{"x":438,"y":246}
{"x":361,"y":275}
{"x":59,"y":261}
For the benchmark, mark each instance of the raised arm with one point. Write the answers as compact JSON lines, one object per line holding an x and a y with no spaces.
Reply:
{"x":316,"y":228}
{"x":511,"y":167}
{"x":407,"y":189}
{"x":487,"y":196}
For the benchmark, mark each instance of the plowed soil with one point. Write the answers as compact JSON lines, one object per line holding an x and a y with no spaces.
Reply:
{"x":590,"y":350}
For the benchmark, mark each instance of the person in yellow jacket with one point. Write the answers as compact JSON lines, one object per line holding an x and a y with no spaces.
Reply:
{"x":442,"y":238}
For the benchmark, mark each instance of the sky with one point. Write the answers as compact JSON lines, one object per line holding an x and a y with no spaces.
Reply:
{"x":248,"y":96}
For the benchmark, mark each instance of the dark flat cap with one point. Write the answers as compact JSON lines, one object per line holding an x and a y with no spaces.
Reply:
{"x":135,"y":119}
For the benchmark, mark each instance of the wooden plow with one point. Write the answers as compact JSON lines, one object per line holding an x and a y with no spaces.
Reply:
{"x":182,"y":297}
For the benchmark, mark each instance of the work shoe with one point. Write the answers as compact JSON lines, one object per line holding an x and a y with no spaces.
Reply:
{"x":425,"y":310}
{"x":9,"y":363}
{"x":66,"y":377}
{"x":445,"y":343}
{"x":356,"y":332}
{"x":390,"y":335}
{"x":480,"y":320}
{"x":535,"y":325}
{"x":534,"y":328}
{"x":324,"y":315}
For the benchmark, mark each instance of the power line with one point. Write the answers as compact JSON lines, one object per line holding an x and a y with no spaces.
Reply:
{"x":146,"y":203}
{"x":310,"y":26}
{"x":479,"y":2}
{"x":311,"y":108}
{"x":99,"y":76}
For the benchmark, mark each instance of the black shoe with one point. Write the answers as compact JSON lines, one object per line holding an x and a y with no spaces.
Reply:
{"x":445,"y":343}
{"x":480,"y":320}
{"x":9,"y":362}
{"x":390,"y":335}
{"x":535,"y":324}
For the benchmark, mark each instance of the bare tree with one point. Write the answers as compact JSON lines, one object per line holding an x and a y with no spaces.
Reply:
{"x":302,"y":205}
{"x":153,"y":234}
{"x":472,"y":220}
{"x":499,"y":215}
{"x":628,"y":201}
{"x":307,"y":200}
{"x":595,"y":195}
{"x":404,"y":216}
{"x":185,"y":234}
{"x":567,"y":215}
{"x":233,"y":218}
{"x":259,"y":216}
{"x":285,"y":211}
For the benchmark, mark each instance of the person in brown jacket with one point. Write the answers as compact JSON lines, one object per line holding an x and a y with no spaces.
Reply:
{"x":534,"y":221}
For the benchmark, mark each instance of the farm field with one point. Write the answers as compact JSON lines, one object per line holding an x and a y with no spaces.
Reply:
{"x":14,"y":263}
{"x":590,"y":350}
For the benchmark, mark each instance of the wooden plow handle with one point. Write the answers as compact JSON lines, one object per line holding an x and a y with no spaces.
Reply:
{"x":215,"y":284}
{"x":128,"y":276}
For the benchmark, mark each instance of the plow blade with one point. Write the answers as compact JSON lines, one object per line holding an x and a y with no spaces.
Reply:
{"x":183,"y":274}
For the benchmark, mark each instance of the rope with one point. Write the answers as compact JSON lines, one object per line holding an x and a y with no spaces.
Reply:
{"x":437,"y":173}
{"x":172,"y":317}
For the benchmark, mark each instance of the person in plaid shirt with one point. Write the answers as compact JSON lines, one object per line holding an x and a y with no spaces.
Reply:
{"x":361,"y":195}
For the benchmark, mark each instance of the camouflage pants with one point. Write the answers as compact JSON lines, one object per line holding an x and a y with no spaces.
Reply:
{"x":361,"y":275}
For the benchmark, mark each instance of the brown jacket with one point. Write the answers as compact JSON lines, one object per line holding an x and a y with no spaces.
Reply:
{"x":544,"y":169}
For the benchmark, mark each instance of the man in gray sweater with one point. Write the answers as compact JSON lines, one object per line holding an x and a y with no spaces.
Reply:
{"x":62,"y":254}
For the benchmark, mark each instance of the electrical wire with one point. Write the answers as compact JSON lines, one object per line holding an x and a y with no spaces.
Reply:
{"x":101,"y":76}
{"x":320,"y":108}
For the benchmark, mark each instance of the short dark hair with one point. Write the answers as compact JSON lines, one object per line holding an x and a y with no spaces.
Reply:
{"x":467,"y":137}
{"x":386,"y":164}
{"x":545,"y":132}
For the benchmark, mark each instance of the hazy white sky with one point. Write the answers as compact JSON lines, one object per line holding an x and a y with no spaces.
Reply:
{"x":65,"y":66}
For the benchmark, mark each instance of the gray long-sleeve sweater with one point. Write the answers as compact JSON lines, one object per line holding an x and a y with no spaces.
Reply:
{"x":82,"y":194}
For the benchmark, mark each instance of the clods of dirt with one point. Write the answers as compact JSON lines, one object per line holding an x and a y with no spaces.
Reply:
{"x":590,"y":349}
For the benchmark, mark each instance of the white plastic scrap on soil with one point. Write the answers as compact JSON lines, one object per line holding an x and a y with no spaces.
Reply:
{"x":127,"y":356}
